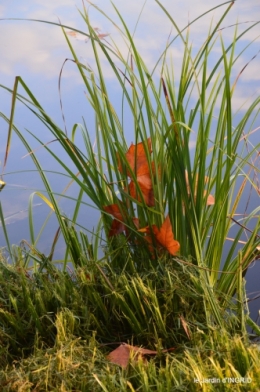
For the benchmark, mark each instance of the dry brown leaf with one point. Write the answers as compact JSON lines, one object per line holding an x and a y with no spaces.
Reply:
{"x":164,"y":237}
{"x":122,"y":354}
{"x":117,"y":225}
{"x":138,"y":162}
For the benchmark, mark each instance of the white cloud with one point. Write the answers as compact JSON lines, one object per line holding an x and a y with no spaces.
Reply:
{"x":41,"y":49}
{"x":244,"y":97}
{"x":31,"y":47}
{"x":2,"y":9}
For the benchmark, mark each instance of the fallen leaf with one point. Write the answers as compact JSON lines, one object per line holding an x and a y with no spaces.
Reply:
{"x":164,"y":237}
{"x":117,"y":225}
{"x":146,"y":187}
{"x":122,"y":354}
{"x":137,"y":159}
{"x":138,"y":162}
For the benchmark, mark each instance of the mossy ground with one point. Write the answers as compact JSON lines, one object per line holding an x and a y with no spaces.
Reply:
{"x":57,"y":328}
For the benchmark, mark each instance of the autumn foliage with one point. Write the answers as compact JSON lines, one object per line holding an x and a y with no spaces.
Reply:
{"x":118,"y":225}
{"x":163,"y":237}
{"x":139,"y":169}
{"x":139,"y":165}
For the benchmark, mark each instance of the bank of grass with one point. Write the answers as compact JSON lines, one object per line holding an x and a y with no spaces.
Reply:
{"x":57,"y":328}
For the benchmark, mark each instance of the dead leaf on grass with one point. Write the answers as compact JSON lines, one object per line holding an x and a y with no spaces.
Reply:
{"x":122,"y":354}
{"x":163,"y":235}
{"x":138,"y":162}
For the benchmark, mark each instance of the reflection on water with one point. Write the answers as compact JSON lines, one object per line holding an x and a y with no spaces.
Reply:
{"x":18,"y":215}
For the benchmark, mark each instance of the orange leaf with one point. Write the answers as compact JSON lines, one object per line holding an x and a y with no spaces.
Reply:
{"x":210,"y":200}
{"x":164,"y":237}
{"x":113,"y":209}
{"x":120,"y":356}
{"x":137,"y":159}
{"x":117,"y":227}
{"x":146,"y":187}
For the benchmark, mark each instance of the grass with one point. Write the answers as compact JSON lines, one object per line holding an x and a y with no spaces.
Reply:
{"x":58,"y":325}
{"x":57,"y":328}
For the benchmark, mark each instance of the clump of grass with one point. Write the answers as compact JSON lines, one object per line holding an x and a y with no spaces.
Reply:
{"x":74,"y":364}
{"x":147,"y":308}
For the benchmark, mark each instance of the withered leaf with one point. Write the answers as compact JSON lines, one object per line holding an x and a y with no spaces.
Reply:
{"x":122,"y":354}
{"x":164,"y":237}
{"x":137,"y":159}
{"x":117,"y":225}
{"x":138,"y":162}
